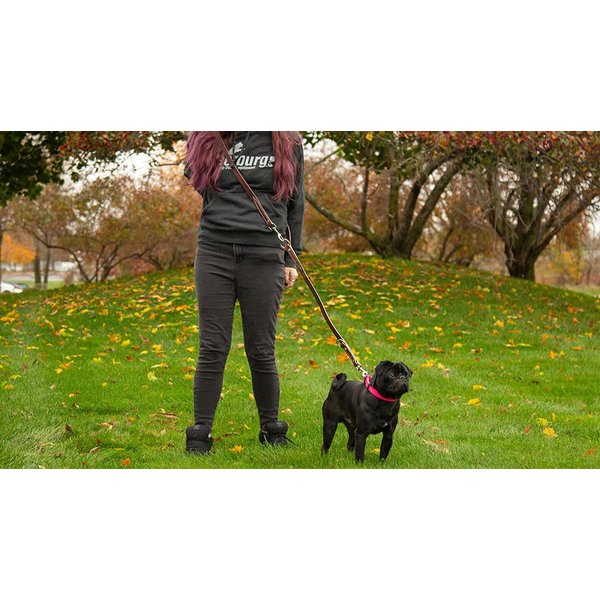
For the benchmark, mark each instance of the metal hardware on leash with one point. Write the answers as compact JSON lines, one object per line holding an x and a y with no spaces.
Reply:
{"x":287,"y":246}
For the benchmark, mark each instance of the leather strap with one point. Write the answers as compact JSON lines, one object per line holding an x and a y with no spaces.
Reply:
{"x":287,"y":246}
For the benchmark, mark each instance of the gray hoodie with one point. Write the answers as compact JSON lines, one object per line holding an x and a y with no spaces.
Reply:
{"x":230,"y":216}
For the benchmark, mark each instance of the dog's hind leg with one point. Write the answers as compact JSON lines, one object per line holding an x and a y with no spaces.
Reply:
{"x":329,"y":428}
{"x":351,"y":438}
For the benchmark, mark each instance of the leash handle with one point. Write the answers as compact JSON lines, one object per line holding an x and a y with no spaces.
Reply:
{"x":287,"y":246}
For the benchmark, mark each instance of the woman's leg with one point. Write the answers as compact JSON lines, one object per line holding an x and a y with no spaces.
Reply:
{"x":260,"y":286}
{"x":214,"y":277}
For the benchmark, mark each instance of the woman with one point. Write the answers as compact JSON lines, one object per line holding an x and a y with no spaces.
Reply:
{"x":238,"y":258}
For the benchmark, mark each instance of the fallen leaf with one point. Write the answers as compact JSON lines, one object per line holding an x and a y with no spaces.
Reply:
{"x":527,"y":429}
{"x":236,"y":449}
{"x":548,"y":431}
{"x":474,"y":401}
{"x":590,"y":452}
{"x":436,"y":447}
{"x":68,"y":428}
{"x":478,"y":386}
{"x":126,"y":461}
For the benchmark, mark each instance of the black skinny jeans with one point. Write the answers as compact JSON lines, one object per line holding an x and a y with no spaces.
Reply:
{"x":224,"y":273}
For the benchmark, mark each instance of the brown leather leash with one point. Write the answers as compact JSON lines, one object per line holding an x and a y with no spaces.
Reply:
{"x":287,"y":246}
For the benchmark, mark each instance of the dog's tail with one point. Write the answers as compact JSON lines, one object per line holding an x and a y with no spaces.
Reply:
{"x":338,"y":382}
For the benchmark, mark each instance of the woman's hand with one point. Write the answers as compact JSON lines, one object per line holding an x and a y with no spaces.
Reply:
{"x":289,"y":276}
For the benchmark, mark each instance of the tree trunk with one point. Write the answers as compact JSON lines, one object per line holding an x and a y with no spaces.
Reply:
{"x":522,"y":269}
{"x":47,"y":266}
{"x":37,"y":271}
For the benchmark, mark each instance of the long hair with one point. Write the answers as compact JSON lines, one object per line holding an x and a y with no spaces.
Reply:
{"x":205,"y":157}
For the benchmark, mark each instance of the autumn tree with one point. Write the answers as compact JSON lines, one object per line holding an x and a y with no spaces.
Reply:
{"x":44,"y":217}
{"x":110,"y":221}
{"x":28,"y":160}
{"x":166,"y":220}
{"x":413,"y":177}
{"x":458,"y":231}
{"x":337,"y":183}
{"x":532,"y":185}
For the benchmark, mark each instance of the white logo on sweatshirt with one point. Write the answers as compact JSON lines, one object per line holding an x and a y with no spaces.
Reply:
{"x":245,"y":161}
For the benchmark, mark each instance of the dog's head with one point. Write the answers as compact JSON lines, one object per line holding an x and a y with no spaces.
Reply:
{"x":391,"y":378}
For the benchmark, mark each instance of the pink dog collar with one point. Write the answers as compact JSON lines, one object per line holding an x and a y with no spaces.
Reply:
{"x":375,"y":392}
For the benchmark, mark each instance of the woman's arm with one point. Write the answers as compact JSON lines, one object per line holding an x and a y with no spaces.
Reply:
{"x":296,"y":209}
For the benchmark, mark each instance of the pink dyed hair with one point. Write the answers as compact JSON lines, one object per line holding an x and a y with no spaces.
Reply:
{"x":205,"y":157}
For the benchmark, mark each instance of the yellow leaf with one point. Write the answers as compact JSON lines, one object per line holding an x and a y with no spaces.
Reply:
{"x":236,"y":449}
{"x":499,"y":323}
{"x":125,"y":342}
{"x":428,"y":364}
{"x":478,"y":386}
{"x":543,"y":422}
{"x":552,"y":355}
{"x":151,"y":376}
{"x":474,"y":401}
{"x":156,"y":347}
{"x":548,"y":431}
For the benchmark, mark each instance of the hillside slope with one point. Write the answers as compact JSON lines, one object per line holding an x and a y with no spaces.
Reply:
{"x":505,"y":371}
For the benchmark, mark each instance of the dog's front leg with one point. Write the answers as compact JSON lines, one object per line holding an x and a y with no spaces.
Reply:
{"x":386,"y":442}
{"x":360,"y":439}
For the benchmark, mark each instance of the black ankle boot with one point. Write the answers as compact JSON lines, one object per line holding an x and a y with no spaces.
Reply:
{"x":198,"y":439}
{"x":274,"y":433}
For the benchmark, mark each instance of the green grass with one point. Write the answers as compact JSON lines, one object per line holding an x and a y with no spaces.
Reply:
{"x":100,"y":376}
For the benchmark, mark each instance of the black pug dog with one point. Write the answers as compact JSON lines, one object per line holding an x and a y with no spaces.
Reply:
{"x":366,"y":407}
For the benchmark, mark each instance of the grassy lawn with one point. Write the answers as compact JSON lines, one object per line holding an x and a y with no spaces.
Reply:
{"x":505,"y":371}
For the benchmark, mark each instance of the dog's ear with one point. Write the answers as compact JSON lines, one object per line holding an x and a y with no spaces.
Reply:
{"x":406,"y":369}
{"x":383,"y":366}
{"x":338,"y":382}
